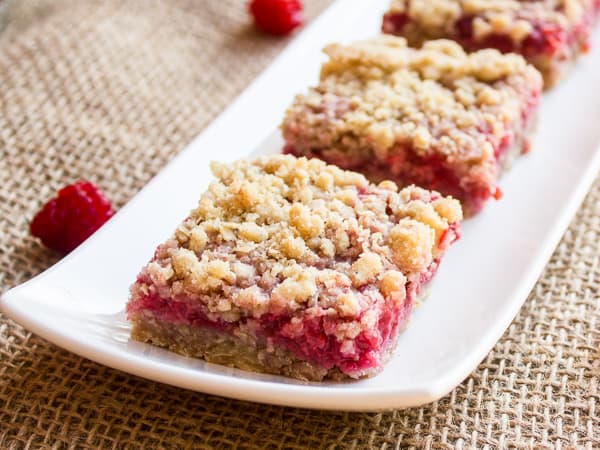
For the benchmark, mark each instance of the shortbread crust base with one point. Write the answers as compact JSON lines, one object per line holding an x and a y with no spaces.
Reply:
{"x":232,"y":351}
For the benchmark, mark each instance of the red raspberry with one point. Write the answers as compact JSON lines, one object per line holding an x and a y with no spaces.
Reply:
{"x":71,"y":217}
{"x":277,"y":16}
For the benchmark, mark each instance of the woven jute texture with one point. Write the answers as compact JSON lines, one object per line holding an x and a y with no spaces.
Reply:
{"x":108,"y":91}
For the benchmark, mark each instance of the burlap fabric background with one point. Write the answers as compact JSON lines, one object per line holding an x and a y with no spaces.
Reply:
{"x":109,"y":90}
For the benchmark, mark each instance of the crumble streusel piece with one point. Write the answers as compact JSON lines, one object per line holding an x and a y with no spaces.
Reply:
{"x":295,"y":267}
{"x":550,"y":34}
{"x":436,"y":117}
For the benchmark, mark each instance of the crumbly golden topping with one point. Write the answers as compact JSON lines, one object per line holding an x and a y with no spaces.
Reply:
{"x":512,"y":18}
{"x":379,"y":94}
{"x":440,"y":60}
{"x":283,"y":233}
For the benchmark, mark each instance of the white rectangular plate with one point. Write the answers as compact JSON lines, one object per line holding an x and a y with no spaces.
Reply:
{"x":78,"y":304}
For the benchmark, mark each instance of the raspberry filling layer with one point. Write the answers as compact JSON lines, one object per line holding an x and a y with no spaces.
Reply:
{"x":309,"y":339}
{"x":404,"y":166}
{"x":548,"y":39}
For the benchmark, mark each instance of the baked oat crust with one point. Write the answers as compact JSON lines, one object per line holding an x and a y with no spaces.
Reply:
{"x":445,"y":104}
{"x":549,"y":33}
{"x":294,"y":243}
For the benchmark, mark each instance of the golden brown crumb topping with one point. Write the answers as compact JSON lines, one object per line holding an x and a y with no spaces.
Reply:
{"x":283,"y":233}
{"x":379,"y":94}
{"x":440,"y":60}
{"x":512,"y":18}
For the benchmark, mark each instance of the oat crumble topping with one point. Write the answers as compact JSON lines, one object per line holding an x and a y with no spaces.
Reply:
{"x":377,"y":94}
{"x":512,"y":18}
{"x":282,"y":233}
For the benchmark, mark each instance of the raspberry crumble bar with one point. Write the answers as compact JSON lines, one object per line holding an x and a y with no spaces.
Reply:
{"x":291,"y":266}
{"x":550,"y":34}
{"x":436,"y":116}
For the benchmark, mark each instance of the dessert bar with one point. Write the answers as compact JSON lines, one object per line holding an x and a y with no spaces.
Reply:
{"x":436,"y":117}
{"x":291,"y":266}
{"x":550,"y":34}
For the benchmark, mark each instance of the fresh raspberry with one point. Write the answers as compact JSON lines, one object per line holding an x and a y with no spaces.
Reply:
{"x":277,"y":16}
{"x":71,"y":217}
